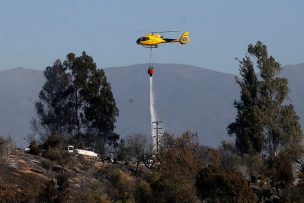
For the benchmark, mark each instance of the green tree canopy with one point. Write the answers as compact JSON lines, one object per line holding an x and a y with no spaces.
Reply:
{"x":77,"y":99}
{"x":247,"y":126}
{"x":52,"y":108}
{"x":266,"y":122}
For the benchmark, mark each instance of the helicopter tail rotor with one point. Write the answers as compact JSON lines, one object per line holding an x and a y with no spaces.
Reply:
{"x":184,"y":39}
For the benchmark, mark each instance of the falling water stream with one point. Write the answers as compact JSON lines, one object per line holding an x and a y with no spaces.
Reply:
{"x":152,"y":111}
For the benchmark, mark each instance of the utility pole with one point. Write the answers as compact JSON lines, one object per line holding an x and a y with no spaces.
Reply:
{"x":157,"y":134}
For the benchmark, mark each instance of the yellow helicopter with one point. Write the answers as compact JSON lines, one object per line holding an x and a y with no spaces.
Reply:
{"x":153,"y":39}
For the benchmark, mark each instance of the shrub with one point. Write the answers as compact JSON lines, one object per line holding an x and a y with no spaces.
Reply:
{"x":56,"y":140}
{"x":218,"y":185}
{"x":92,"y":192}
{"x":30,"y":188}
{"x":59,"y":155}
{"x":47,"y":164}
{"x":281,"y":171}
{"x":63,"y":185}
{"x":143,"y":191}
{"x":7,"y":146}
{"x":48,"y":193}
{"x":119,"y":185}
{"x":7,"y":191}
{"x":300,"y":175}
{"x":34,"y":148}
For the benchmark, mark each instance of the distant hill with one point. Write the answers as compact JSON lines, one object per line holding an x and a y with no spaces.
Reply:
{"x":187,"y":97}
{"x":19,"y":89}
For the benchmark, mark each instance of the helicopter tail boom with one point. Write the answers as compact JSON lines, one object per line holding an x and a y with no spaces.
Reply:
{"x":184,"y":39}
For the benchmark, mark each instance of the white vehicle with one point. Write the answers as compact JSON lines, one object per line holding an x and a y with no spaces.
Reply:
{"x":70,"y":148}
{"x":86,"y":153}
{"x":83,"y":152}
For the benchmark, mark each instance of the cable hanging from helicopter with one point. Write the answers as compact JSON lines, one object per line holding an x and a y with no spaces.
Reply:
{"x":152,"y":40}
{"x":150,"y":69}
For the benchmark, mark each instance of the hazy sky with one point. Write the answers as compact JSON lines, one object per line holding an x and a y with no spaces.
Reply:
{"x":34,"y":33}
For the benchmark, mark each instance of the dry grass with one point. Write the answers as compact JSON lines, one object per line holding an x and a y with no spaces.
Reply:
{"x":25,"y":177}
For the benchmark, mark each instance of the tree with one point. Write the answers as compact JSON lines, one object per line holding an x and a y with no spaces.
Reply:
{"x":76,"y":99}
{"x":281,"y":127}
{"x":139,"y":148}
{"x":265,"y":122}
{"x":179,"y":162}
{"x":52,"y":109}
{"x":91,"y":98}
{"x":247,"y":127}
{"x":79,"y":68}
{"x":101,"y":110}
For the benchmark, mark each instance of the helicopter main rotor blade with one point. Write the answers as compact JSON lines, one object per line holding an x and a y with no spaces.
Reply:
{"x":167,"y":31}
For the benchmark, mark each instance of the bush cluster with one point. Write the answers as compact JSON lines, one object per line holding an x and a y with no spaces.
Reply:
{"x":7,"y":146}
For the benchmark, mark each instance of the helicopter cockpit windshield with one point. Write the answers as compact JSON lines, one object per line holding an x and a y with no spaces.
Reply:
{"x":144,"y":38}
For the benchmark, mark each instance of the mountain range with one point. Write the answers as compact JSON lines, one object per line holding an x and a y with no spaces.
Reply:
{"x":186,"y":98}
